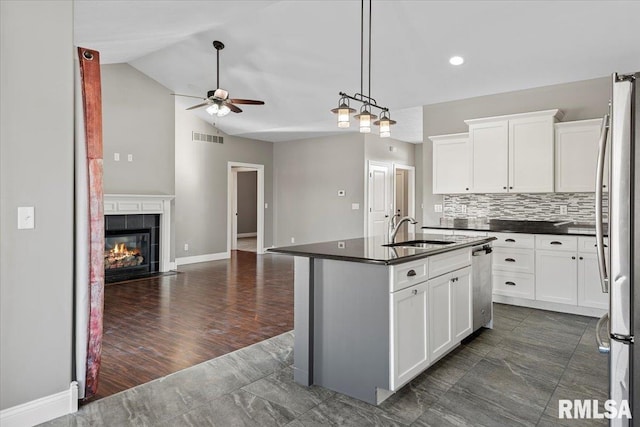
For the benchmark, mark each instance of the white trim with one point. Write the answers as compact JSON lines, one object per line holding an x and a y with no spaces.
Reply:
{"x":550,"y":306}
{"x":132,"y":204}
{"x":41,"y":410}
{"x":558,"y":114}
{"x":231,"y":188}
{"x":173,"y":265}
{"x":411,"y":191}
{"x":202,"y":258}
{"x":241,"y":235}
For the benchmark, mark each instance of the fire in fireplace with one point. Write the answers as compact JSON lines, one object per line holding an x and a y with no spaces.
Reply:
{"x":126,"y":252}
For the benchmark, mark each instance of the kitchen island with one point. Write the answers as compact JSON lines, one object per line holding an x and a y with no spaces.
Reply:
{"x":369,"y":317}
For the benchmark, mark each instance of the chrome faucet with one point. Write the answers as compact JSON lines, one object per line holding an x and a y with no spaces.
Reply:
{"x":394,"y":226}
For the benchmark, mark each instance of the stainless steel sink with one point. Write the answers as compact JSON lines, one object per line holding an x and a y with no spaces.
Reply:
{"x":422,"y":244}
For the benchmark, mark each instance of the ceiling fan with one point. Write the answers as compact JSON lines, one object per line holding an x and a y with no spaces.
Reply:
{"x":217,"y":101}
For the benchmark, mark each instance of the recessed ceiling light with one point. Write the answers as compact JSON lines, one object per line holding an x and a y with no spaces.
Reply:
{"x":456,"y":60}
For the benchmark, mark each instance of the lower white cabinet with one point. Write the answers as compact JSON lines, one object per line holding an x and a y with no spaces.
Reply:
{"x":556,"y":278}
{"x":410,"y":320}
{"x":589,"y":287}
{"x":450,"y":315}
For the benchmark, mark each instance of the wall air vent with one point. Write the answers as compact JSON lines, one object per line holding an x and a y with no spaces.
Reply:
{"x":205,"y":137}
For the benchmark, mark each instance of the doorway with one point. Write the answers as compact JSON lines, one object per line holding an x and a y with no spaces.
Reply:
{"x":245,"y":216}
{"x":404,"y":195}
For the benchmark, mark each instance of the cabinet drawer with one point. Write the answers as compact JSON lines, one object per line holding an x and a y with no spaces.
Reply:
{"x":514,"y":260}
{"x":557,"y":243}
{"x":587,"y":245}
{"x":517,"y":285}
{"x":409,"y":274}
{"x":449,"y":261}
{"x":514,"y":240}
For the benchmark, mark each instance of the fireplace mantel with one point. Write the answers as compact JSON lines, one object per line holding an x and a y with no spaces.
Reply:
{"x":133,"y":204}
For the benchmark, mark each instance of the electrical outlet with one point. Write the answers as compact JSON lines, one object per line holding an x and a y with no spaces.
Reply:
{"x":130,"y":157}
{"x":437,"y":208}
{"x":463,"y":208}
{"x":186,"y":247}
{"x":293,"y":240}
{"x":116,"y":157}
{"x":355,"y":206}
{"x":563,"y":209}
{"x":26,"y":217}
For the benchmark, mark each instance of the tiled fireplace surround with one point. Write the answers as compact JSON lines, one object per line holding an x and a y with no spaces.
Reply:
{"x":138,"y":211}
{"x":533,"y":207}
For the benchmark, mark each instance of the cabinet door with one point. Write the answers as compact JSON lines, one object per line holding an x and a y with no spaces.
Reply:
{"x":462,"y":313}
{"x":440,"y":328}
{"x":531,"y":155}
{"x":451,"y":165}
{"x":577,"y":155}
{"x":589,"y":289}
{"x":489,"y":145}
{"x":556,"y":277}
{"x":410,"y":346}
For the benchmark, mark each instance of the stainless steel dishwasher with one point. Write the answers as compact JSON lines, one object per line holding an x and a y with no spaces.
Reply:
{"x":482,"y":287}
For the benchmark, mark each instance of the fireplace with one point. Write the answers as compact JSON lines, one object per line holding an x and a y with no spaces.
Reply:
{"x":131,"y":247}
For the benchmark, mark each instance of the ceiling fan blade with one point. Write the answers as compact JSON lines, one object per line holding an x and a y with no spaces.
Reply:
{"x":199,"y":105}
{"x":233,"y":107}
{"x":188,"y":96}
{"x":246,"y":101}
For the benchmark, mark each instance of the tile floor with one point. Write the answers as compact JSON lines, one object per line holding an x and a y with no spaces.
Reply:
{"x":512,"y":375}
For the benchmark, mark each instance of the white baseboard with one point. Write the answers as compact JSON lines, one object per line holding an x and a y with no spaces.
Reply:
{"x":241,"y":235}
{"x":41,"y":410}
{"x":202,"y":258}
{"x":550,"y":306}
{"x":172,"y":266}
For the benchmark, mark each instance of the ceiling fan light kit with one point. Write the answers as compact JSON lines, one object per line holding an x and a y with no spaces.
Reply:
{"x":365,"y":117}
{"x":217,"y":101}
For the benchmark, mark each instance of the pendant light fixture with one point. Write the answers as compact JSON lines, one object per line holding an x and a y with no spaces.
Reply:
{"x":365,"y":118}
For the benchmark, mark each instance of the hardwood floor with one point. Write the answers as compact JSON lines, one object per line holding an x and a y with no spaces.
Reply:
{"x":157,"y":326}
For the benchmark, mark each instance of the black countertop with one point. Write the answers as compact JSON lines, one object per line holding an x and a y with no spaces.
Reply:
{"x":371,"y":250}
{"x":514,"y":226}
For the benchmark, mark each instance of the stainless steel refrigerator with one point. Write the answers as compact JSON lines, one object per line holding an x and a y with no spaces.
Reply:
{"x":620,"y":134}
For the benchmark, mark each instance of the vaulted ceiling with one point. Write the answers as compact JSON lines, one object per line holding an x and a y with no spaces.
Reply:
{"x":296,"y":55}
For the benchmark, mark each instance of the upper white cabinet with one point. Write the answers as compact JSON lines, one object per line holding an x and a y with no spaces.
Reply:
{"x":577,"y":155}
{"x":451,"y":164}
{"x":513,"y":153}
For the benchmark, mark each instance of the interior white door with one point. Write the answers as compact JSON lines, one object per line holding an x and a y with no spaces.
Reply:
{"x":379,"y":199}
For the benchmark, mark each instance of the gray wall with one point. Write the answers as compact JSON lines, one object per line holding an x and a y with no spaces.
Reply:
{"x":308,"y":175}
{"x":201,"y":184}
{"x":138,"y":119}
{"x":36,"y":159}
{"x":378,"y":149}
{"x":581,"y":100}
{"x":247,"y":199}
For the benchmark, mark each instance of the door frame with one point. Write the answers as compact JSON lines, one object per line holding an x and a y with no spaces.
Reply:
{"x":411,"y":191}
{"x":232,"y":203}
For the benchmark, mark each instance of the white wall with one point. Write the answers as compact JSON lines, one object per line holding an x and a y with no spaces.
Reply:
{"x":36,"y":155}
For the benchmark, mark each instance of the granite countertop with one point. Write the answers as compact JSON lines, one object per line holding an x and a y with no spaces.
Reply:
{"x":515,"y":226}
{"x":371,"y":250}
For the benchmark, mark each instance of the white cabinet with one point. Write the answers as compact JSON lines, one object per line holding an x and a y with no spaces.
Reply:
{"x":410,"y":323}
{"x":589,"y":287}
{"x":490,"y":156}
{"x":577,"y":155}
{"x":556,"y":277}
{"x":440,"y":327}
{"x":451,"y":164}
{"x":462,"y":313}
{"x":450,"y":311}
{"x":513,"y":265}
{"x":513,"y":153}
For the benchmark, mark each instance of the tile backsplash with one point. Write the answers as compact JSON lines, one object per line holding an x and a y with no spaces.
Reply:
{"x":533,"y":207}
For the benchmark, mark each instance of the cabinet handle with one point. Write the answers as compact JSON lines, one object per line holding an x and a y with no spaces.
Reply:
{"x":467,"y":188}
{"x":573,"y":257}
{"x":504,"y":188}
{"x":510,"y":188}
{"x":411,"y":273}
{"x":596,"y":245}
{"x":455,"y":279}
{"x":581,"y":258}
{"x":555,"y":242}
{"x":510,"y":240}
{"x":510,"y":283}
{"x":414,"y":292}
{"x":510,"y":260}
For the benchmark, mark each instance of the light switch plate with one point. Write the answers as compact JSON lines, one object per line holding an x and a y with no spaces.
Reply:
{"x":355,"y":206}
{"x":130,"y":157}
{"x":26,"y":217}
{"x":116,"y":157}
{"x":437,"y":208}
{"x":563,"y":209}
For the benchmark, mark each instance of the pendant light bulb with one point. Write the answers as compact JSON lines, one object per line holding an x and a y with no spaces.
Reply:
{"x":385,"y":123}
{"x":212,"y":109}
{"x":223,"y":110}
{"x":365,"y":118}
{"x":343,"y":111}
